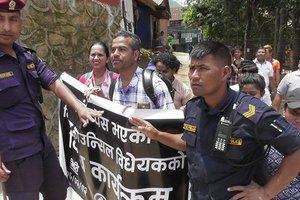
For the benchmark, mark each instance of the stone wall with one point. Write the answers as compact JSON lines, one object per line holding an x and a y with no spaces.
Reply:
{"x":61,"y":31}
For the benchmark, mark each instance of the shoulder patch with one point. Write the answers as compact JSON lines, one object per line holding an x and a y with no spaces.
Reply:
{"x":250,"y":111}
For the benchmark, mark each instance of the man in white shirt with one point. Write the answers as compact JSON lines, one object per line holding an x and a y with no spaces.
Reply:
{"x":266,"y":70}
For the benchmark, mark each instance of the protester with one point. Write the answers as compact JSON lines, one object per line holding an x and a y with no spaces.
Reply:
{"x":237,"y":59}
{"x":168,"y":65}
{"x":253,"y":84}
{"x":99,"y":79}
{"x":237,"y":56}
{"x":246,"y":66}
{"x":292,"y":107}
{"x":129,"y":90}
{"x":162,"y":41}
{"x":223,"y":173}
{"x":266,"y":70}
{"x":275,"y":63}
{"x":289,"y":82}
{"x":29,"y":161}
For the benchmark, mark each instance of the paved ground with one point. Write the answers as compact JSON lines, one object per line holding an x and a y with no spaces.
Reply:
{"x":182,"y":74}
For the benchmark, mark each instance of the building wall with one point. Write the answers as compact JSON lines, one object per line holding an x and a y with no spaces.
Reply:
{"x":176,"y":13}
{"x":61,"y":32}
{"x":163,"y":26}
{"x":183,"y":36}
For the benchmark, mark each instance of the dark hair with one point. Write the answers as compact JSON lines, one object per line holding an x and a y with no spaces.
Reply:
{"x":106,"y":51}
{"x":237,"y":48}
{"x":167,"y":59}
{"x":216,"y":49}
{"x":260,"y":47}
{"x":135,"y":40}
{"x":253,"y":78}
{"x":248,"y":66}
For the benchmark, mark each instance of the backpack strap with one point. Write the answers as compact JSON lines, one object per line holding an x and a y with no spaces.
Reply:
{"x":148,"y":84}
{"x":168,"y":83}
{"x":88,"y":75}
{"x":111,"y":89}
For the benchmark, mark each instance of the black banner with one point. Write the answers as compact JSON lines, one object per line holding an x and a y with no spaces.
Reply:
{"x":110,"y":160}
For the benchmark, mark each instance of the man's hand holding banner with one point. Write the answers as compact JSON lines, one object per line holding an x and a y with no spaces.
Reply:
{"x":110,"y":160}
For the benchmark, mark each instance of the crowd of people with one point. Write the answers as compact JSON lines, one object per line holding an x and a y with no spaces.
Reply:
{"x":237,"y":145}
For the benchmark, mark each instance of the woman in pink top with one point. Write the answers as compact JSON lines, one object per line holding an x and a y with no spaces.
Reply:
{"x":100,"y":78}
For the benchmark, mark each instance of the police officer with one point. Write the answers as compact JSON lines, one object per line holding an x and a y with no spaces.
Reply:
{"x":225,"y":133}
{"x":29,"y":162}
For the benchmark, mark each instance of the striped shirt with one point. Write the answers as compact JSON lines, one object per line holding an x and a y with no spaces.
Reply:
{"x":89,"y":80}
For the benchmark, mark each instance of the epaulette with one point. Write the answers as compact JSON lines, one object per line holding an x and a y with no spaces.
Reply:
{"x":29,"y":49}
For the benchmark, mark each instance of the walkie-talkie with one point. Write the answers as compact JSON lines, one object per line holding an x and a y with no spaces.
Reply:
{"x":224,"y":130}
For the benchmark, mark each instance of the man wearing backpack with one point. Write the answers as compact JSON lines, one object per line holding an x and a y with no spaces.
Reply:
{"x":129,"y":88}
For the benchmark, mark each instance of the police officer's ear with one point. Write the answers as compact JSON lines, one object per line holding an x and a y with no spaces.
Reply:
{"x":227,"y":72}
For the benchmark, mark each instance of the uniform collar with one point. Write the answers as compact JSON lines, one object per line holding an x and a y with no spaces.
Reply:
{"x":16,"y":47}
{"x":223,"y":105}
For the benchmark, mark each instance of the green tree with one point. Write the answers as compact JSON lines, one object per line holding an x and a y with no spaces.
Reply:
{"x":218,"y":19}
{"x":250,"y":23}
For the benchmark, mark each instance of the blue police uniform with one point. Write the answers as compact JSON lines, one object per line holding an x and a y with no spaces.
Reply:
{"x":212,"y":172}
{"x":22,"y":127}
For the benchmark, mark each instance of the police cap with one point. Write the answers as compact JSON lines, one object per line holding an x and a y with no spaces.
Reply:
{"x":11,"y":5}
